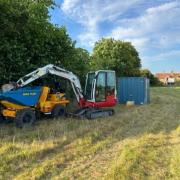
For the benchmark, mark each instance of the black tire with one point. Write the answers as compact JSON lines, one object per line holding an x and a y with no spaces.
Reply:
{"x":39,"y":115}
{"x":25,"y":116}
{"x":58,"y":111}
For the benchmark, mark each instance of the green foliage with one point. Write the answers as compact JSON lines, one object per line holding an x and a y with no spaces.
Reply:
{"x":29,"y":40}
{"x":117,"y":55}
{"x":81,"y":63}
{"x":177,"y":83}
{"x":154,"y":81}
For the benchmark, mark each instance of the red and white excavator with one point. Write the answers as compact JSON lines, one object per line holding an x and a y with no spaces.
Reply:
{"x":97,"y":99}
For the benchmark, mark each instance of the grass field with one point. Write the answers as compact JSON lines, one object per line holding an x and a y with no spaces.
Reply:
{"x":142,"y":142}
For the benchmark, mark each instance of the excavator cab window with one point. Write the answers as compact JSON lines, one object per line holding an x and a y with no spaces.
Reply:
{"x":100,"y":86}
{"x":111,"y":84}
{"x":105,"y":86}
{"x":100,"y":91}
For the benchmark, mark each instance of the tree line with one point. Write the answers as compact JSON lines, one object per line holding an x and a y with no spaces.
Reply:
{"x":29,"y":41}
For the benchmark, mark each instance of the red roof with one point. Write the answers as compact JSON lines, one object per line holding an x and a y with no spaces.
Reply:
{"x":167,"y":75}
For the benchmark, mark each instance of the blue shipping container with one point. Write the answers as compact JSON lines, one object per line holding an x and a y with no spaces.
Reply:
{"x":133,"y":89}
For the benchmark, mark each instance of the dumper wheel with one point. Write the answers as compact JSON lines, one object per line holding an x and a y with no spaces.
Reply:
{"x":58,"y":111}
{"x":25,"y":116}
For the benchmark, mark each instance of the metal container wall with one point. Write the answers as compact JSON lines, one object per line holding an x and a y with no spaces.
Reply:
{"x":133,"y":89}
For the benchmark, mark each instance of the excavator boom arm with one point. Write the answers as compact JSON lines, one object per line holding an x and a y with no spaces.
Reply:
{"x":54,"y":70}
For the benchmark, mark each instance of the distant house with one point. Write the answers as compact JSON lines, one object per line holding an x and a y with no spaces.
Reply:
{"x":168,"y":78}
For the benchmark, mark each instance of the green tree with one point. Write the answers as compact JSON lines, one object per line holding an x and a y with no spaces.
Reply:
{"x":22,"y":32}
{"x":29,"y":40}
{"x":153,"y":80}
{"x":117,"y":55}
{"x":82,"y":63}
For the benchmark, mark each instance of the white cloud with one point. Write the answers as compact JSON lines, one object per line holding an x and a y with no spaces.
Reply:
{"x":154,"y":26}
{"x":138,"y":42}
{"x":164,"y":56}
{"x":95,"y":10}
{"x":88,"y":39}
{"x":157,"y":31}
{"x":69,"y":4}
{"x":171,"y":56}
{"x":90,"y":13}
{"x":162,"y":8}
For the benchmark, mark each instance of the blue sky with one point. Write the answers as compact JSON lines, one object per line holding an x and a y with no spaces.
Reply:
{"x":153,"y":27}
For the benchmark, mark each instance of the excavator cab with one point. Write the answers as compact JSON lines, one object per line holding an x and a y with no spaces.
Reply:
{"x":100,"y":89}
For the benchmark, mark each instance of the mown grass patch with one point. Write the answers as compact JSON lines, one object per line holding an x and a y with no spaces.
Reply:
{"x":142,"y":142}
